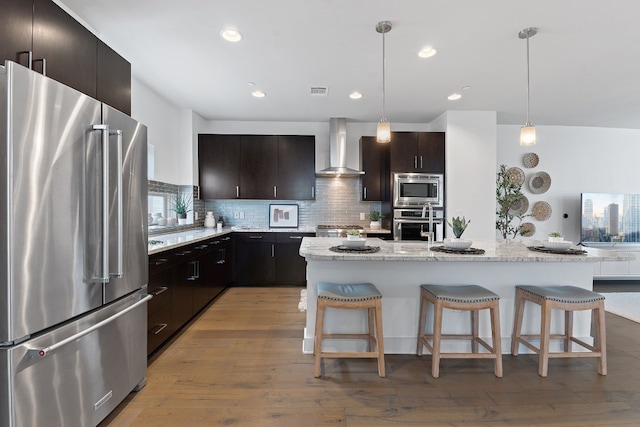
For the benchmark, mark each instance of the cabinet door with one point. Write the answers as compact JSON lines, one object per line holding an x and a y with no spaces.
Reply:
{"x":182,"y":291}
{"x":159,"y":323}
{"x":219,"y":166}
{"x":221,"y":261}
{"x":254,"y":259}
{"x":296,"y":167}
{"x":16,"y":21}
{"x":113,"y":79}
{"x":375,"y":164}
{"x":258,"y":166}
{"x":291,"y":268}
{"x":431,"y":152}
{"x":403,"y":152}
{"x":68,"y":48}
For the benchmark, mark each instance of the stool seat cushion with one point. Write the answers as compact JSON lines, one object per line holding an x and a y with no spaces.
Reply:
{"x":347,"y":292}
{"x":461,"y":293}
{"x":565,"y":294}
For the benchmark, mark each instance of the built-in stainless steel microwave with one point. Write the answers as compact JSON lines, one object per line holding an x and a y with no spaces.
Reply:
{"x":417,"y":189}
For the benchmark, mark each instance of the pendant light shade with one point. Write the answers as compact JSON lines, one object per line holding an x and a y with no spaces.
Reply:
{"x":383,"y":132}
{"x":528,"y":131}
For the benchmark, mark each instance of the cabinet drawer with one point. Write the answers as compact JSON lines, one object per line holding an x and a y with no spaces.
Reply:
{"x":291,"y":237}
{"x":159,"y":328}
{"x":161,"y":297}
{"x":256,"y":237}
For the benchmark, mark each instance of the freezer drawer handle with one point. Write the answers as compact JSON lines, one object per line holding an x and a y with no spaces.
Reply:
{"x":42,"y":352}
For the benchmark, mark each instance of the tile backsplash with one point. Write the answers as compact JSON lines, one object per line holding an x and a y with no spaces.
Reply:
{"x":337,"y":202}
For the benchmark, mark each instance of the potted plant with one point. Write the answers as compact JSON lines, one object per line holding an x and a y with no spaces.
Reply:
{"x":508,"y":197}
{"x":353,"y":235}
{"x":555,"y":236}
{"x":458,"y":225}
{"x":375,"y":217}
{"x":181,"y":207}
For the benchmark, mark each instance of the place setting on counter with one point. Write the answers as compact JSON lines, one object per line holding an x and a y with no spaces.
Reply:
{"x":354,"y":243}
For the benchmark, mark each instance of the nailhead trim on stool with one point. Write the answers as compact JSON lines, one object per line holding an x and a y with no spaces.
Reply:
{"x":463,"y":297}
{"x":355,"y":296}
{"x":569,"y":299}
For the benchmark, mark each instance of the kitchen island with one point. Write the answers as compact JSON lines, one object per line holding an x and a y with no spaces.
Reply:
{"x":399,"y":268}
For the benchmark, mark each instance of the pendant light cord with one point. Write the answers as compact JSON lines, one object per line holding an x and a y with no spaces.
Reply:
{"x":383,"y":78}
{"x":528,"y":79}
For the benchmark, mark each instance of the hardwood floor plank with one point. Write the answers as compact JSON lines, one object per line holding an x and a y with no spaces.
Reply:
{"x":240,"y":363}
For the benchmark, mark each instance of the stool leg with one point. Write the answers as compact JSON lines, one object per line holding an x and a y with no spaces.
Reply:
{"x":568,"y":329}
{"x":601,"y":338}
{"x":317,"y":341}
{"x":545,"y":332}
{"x":517,"y":322}
{"x":497,"y":338}
{"x":379,"y":338}
{"x":422,"y":320}
{"x":372,"y":331}
{"x":474,"y":330}
{"x":437,"y":336}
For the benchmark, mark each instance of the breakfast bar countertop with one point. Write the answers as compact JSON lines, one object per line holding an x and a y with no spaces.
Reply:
{"x":494,"y":251}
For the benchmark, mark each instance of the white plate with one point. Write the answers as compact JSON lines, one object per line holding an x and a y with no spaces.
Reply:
{"x":457,"y":243}
{"x":557,"y":245}
{"x":354,"y":243}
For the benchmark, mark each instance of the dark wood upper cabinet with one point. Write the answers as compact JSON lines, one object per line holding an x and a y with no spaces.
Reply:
{"x":219,"y":166}
{"x":16,"y":28}
{"x":70,"y":53}
{"x":431,"y":151}
{"x":263,"y":167}
{"x":374,"y":158}
{"x":258,"y":166}
{"x":296,"y":167}
{"x":69,"y":49}
{"x":113,"y":79}
{"x":417,"y":152}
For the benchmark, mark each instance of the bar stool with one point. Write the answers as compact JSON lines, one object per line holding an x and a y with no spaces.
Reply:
{"x":569,"y":299}
{"x":350,"y":297}
{"x":465,"y":297}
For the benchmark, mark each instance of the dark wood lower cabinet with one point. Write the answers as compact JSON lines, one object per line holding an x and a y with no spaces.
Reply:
{"x":184,"y":281}
{"x":267,"y":259}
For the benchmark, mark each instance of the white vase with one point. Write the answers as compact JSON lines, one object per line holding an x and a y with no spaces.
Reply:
{"x":374,"y":225}
{"x":209,"y":220}
{"x":182,"y":221}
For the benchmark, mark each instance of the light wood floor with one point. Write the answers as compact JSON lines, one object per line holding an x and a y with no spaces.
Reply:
{"x":240,"y":364}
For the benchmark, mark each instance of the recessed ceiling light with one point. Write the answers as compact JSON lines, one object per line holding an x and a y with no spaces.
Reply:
{"x":454,"y":97}
{"x":466,"y":87}
{"x":355,"y":95}
{"x":427,"y":52}
{"x":231,"y":35}
{"x":258,"y":94}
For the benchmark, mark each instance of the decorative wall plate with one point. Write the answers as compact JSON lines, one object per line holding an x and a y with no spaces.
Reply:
{"x":530,"y":160}
{"x":539,"y":182}
{"x":520,"y":208}
{"x":516,"y":175}
{"x":541,"y":211}
{"x":527,"y":229}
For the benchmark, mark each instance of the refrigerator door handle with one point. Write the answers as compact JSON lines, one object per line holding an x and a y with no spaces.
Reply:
{"x":42,"y":352}
{"x":105,"y":200}
{"x":119,"y":266}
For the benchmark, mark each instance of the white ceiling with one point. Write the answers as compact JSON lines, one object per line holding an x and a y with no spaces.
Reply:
{"x":585,"y":59}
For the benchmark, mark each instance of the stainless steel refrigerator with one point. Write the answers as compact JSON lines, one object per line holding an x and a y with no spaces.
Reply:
{"x":73,"y":253}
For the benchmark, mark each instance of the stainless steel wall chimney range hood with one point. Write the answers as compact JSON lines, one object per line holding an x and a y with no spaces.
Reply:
{"x":338,"y":151}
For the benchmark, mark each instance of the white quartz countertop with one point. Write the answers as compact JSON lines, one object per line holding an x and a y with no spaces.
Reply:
{"x":317,"y":248}
{"x":164,"y":242}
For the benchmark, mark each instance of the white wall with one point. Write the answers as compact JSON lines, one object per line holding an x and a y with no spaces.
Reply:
{"x":165,"y":123}
{"x":578,"y":159}
{"x":471,"y":169}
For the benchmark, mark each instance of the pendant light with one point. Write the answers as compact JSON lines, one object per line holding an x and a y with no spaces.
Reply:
{"x":383,"y":132}
{"x":528,"y":131}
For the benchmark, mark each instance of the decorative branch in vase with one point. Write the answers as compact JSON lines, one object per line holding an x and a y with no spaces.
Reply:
{"x":508,"y":196}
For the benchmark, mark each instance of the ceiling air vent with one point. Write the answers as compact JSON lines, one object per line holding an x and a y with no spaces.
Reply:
{"x":319,"y":91}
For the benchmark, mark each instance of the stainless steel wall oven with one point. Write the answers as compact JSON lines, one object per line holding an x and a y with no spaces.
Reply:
{"x":414,"y":224}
